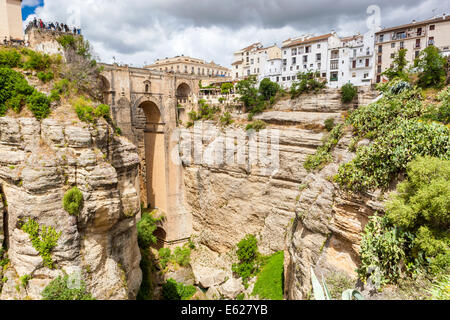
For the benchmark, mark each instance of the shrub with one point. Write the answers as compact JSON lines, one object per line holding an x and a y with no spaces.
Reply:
{"x":146,"y":287}
{"x":257,"y":125}
{"x":24,"y":280}
{"x":269,"y":282}
{"x":43,"y":239}
{"x":226,"y":119}
{"x":164,"y":255}
{"x":73,"y":201}
{"x":37,"y":61}
{"x":145,"y":228}
{"x":13,"y":89}
{"x":307,"y":82}
{"x":431,"y":66}
{"x":45,"y":76}
{"x":181,"y":255}
{"x":377,"y":164}
{"x":323,"y":154}
{"x":348,"y":92}
{"x":422,"y":206}
{"x":382,"y":250}
{"x":39,"y":105}
{"x":441,"y":289}
{"x":173,"y":290}
{"x":58,"y":289}
{"x":247,"y":254}
{"x":102,"y":111}
{"x":329,"y":124}
{"x":66,"y":41}
{"x":440,"y":112}
{"x":10,"y":58}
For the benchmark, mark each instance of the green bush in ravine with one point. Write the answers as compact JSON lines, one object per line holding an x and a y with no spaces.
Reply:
{"x":348,"y":92}
{"x":173,"y":290}
{"x":45,"y":76}
{"x":10,"y":58}
{"x":164,"y":255}
{"x":400,"y":131}
{"x":73,"y":201}
{"x":422,"y":207}
{"x":383,"y":250}
{"x":269,"y":281}
{"x":323,"y":154}
{"x":247,"y":254}
{"x":145,"y":228}
{"x":329,"y":124}
{"x":256,"y":125}
{"x":43,"y":238}
{"x":58,"y":289}
{"x":439,"y":112}
{"x":414,"y":235}
{"x":377,"y":164}
{"x":39,"y":105}
{"x":86,"y":112}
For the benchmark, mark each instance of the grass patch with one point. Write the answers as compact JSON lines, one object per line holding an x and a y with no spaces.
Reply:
{"x":269,"y":282}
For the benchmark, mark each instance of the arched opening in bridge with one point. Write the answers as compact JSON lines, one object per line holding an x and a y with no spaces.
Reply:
{"x":155,"y":157}
{"x":183,"y":92}
{"x":106,"y":88}
{"x":160,"y":235}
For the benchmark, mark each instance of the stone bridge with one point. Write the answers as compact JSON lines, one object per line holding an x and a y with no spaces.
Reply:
{"x":147,"y":106}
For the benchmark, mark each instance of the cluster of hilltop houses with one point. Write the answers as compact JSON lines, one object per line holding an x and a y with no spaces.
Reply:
{"x":359,"y":59}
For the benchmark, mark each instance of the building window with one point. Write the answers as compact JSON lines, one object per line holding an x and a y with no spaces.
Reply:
{"x":353,"y":75}
{"x":432,"y":27}
{"x":380,"y":49}
{"x":378,"y":79}
{"x":381,"y":37}
{"x":318,"y":57}
{"x":147,"y":87}
{"x":367,"y":62}
{"x":402,"y":45}
{"x":324,"y":75}
{"x":379,"y":59}
{"x":237,"y":75}
{"x":417,"y":53}
{"x":366,"y":75}
{"x":251,"y":61}
{"x":308,"y":49}
{"x":417,"y":43}
{"x":305,"y":58}
{"x":291,"y":68}
{"x":318,"y":46}
{"x":294,"y":51}
{"x":258,"y":60}
{"x":298,"y":67}
{"x":334,"y":64}
{"x":379,"y":69}
{"x":392,"y":55}
{"x":393,"y":45}
{"x":284,"y":78}
{"x":289,"y":78}
{"x":334,"y":76}
{"x":304,"y":66}
{"x":278,"y":79}
{"x":294,"y":60}
{"x":319,"y":65}
{"x":431,"y":41}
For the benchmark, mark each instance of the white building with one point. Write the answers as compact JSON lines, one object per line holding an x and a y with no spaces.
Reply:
{"x":306,"y":53}
{"x":257,"y":60}
{"x":352,"y":60}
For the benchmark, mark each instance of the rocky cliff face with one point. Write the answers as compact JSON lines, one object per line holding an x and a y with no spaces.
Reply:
{"x":288,"y":208}
{"x":39,"y":161}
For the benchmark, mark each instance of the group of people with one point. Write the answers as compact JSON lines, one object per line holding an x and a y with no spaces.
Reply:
{"x":62,"y":27}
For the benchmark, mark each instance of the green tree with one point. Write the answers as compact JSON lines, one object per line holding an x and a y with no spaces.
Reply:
{"x":431,"y":66}
{"x":399,"y":68}
{"x":58,"y":289}
{"x":348,"y":92}
{"x":248,"y":93}
{"x":268,"y":89}
{"x":226,"y":87}
{"x":247,"y":254}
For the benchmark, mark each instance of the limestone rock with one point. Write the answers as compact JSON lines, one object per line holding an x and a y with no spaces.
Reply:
{"x":208,"y":277}
{"x":39,"y":162}
{"x":231,"y":288}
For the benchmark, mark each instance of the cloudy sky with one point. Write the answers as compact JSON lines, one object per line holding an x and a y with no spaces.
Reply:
{"x":140,"y":31}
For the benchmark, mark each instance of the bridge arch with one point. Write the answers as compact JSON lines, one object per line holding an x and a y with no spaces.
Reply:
{"x":155,"y":156}
{"x":183,"y":92}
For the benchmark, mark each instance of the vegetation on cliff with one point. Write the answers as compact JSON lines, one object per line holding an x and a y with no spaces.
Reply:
{"x":270,"y":281}
{"x":59,"y":289}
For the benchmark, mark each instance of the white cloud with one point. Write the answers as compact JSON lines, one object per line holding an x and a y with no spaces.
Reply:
{"x":139,"y":31}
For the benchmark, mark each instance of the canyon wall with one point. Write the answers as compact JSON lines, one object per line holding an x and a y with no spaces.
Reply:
{"x":287,"y":207}
{"x":39,"y":162}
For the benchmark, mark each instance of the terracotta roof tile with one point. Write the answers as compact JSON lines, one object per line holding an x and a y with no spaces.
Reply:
{"x":309,"y":40}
